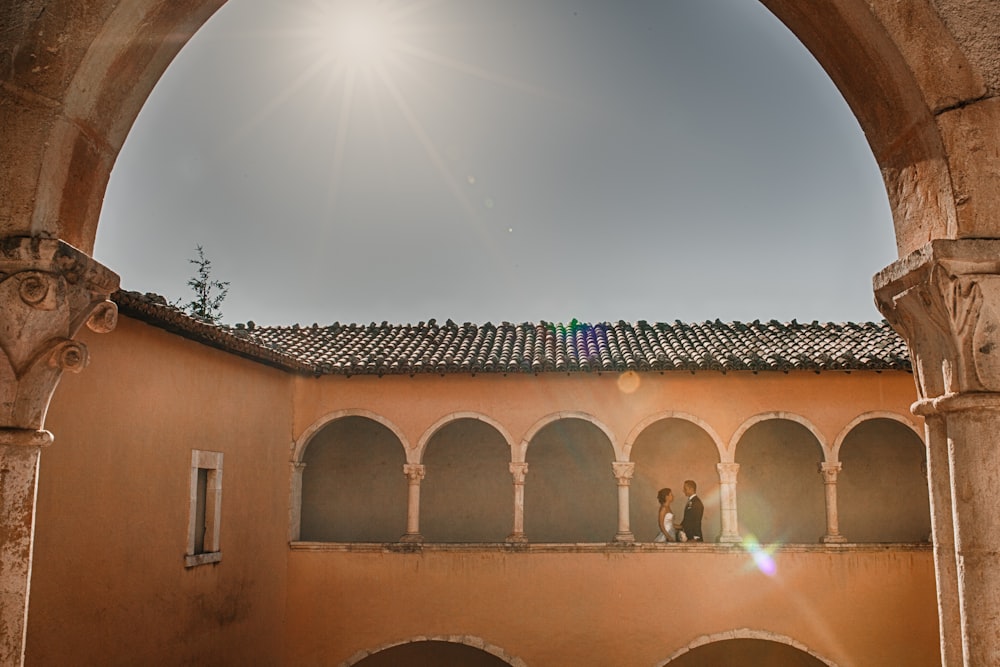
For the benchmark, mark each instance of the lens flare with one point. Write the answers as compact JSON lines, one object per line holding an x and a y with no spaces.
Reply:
{"x":761,"y":557}
{"x":628,"y":382}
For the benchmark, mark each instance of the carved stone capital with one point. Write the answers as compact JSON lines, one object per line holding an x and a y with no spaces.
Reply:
{"x":48,"y":290}
{"x":727,"y":472}
{"x":518,"y":470}
{"x":414,"y":472}
{"x":830,"y":471}
{"x":623,"y":471}
{"x":944,"y":299}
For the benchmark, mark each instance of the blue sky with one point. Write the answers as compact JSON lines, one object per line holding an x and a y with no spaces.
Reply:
{"x":489,"y":161}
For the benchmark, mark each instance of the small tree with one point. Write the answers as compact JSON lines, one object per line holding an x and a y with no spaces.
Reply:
{"x":208,"y":292}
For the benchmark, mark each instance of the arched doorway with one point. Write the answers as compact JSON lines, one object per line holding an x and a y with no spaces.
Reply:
{"x":353,"y":488}
{"x":570,"y":493}
{"x":780,"y":494}
{"x":432,"y":653}
{"x":466,"y":491}
{"x":882,"y":486}
{"x":667,"y":453}
{"x":745,"y":653}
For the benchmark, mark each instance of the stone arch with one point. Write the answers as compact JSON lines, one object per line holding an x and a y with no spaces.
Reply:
{"x":300,"y":444}
{"x":667,"y":449}
{"x":103,"y":77}
{"x":673,"y":414}
{"x":776,"y":414}
{"x":570,"y":492}
{"x":881,"y":66}
{"x":557,"y":416}
{"x":465,"y":640}
{"x":418,"y":453}
{"x":744,"y":633}
{"x":882,"y":489}
{"x":347,"y":492}
{"x":875,"y":414}
{"x":466,"y":489}
{"x":780,"y":495}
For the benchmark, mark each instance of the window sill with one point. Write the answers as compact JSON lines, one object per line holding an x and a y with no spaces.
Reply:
{"x":202,"y":559}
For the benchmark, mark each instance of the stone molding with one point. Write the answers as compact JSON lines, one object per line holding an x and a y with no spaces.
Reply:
{"x":415,"y":472}
{"x":945,"y":301}
{"x":623,"y":471}
{"x":48,"y":291}
{"x":518,"y":471}
{"x":830,"y":470}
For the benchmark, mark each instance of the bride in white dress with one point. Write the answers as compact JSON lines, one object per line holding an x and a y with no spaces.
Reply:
{"x":666,"y":517}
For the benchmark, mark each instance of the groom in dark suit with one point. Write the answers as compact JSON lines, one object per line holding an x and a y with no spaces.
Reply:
{"x":693,"y":511}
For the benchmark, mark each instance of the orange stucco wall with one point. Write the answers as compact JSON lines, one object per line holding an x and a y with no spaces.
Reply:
{"x":867,"y":607}
{"x":829,"y":400}
{"x":110,"y":586}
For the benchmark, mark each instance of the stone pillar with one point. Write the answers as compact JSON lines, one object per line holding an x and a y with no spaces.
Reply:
{"x":945,"y":300}
{"x":727,"y":502}
{"x":623,"y":471}
{"x":414,"y":474}
{"x":48,"y":290}
{"x":830,"y":471}
{"x":295,"y":501}
{"x":942,"y":532}
{"x":518,"y":470}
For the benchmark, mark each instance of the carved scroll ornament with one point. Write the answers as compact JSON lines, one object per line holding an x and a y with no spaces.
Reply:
{"x":48,"y":290}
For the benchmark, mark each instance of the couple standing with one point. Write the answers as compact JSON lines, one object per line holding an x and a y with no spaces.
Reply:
{"x":689,"y":529}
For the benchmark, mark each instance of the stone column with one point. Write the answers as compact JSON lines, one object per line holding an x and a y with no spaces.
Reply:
{"x":48,"y":291}
{"x":414,"y":474}
{"x":830,"y":471}
{"x":518,"y":470}
{"x":623,"y":471}
{"x":295,"y":501}
{"x":942,"y":532}
{"x":945,"y":300}
{"x":727,"y":502}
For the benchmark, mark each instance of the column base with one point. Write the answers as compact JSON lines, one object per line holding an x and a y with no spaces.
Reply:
{"x":516,"y":538}
{"x":833,"y":539}
{"x":412,"y":538}
{"x":624,"y":536}
{"x":730,"y":539}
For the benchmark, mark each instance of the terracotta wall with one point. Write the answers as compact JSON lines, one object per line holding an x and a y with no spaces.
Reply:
{"x":868,"y":607}
{"x":109,"y":586}
{"x":465,"y":430}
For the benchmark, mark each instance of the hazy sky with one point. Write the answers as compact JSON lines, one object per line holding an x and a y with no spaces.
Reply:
{"x":491,"y":160}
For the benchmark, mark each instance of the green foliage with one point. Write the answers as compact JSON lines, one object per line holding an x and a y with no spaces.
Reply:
{"x":208,"y":292}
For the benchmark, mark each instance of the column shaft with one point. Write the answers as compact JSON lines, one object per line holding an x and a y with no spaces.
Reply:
{"x":518,"y":470}
{"x":727,"y":502}
{"x":414,"y":474}
{"x":19,"y":456}
{"x":973,"y":433}
{"x":830,"y":471}
{"x":943,"y":537}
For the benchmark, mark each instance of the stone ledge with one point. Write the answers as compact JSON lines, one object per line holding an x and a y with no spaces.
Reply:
{"x":598,"y":548}
{"x":202,"y":559}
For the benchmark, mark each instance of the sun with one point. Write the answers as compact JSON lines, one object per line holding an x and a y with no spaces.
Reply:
{"x":358,"y":36}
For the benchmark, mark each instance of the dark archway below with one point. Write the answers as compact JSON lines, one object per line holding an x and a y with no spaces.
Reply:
{"x":432,"y":654}
{"x":746,"y":653}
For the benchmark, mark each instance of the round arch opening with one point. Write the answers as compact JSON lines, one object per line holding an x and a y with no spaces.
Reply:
{"x":432,"y":653}
{"x":745,"y":652}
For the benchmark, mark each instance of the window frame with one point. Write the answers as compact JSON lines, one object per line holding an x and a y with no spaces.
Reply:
{"x":211,"y":551}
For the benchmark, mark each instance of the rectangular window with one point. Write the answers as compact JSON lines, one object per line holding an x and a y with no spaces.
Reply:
{"x":206,"y":509}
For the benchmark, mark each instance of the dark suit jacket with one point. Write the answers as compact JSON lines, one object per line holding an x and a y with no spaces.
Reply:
{"x":691,"y":523}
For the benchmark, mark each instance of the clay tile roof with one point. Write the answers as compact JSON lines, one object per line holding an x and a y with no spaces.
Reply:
{"x":383,"y":349}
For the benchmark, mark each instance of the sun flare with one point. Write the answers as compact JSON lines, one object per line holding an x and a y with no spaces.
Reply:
{"x":358,"y":37}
